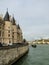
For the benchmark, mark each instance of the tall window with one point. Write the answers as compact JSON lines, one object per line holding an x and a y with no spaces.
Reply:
{"x":9,"y":31}
{"x":13,"y":36}
{"x":8,"y":35}
{"x":9,"y":41}
{"x":0,"y":33}
{"x":13,"y":32}
{"x":0,"y":27}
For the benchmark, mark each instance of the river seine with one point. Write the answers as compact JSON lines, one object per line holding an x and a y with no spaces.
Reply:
{"x":35,"y":56}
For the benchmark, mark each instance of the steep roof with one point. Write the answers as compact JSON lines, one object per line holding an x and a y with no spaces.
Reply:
{"x":18,"y":26}
{"x":6,"y":17}
{"x":13,"y":20}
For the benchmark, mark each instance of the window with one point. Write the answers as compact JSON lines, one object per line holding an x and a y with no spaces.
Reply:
{"x":13,"y":36}
{"x":8,"y":35}
{"x":9,"y":31}
{"x":13,"y":33}
{"x":0,"y":27}
{"x":9,"y":41}
{"x":0,"y":33}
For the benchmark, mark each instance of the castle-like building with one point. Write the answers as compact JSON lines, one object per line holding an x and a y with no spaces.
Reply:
{"x":10,"y":32}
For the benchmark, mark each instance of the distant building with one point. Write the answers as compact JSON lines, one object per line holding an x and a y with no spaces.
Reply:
{"x":41,"y":41}
{"x":10,"y":32}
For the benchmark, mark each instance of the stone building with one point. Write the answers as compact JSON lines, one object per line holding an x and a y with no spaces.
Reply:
{"x":41,"y":41}
{"x":10,"y":32}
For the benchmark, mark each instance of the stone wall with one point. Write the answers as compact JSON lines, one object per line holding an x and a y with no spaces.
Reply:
{"x":9,"y":55}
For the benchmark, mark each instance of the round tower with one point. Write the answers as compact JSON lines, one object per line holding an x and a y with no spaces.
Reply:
{"x":19,"y":34}
{"x":7,"y":29}
{"x":14,"y":30}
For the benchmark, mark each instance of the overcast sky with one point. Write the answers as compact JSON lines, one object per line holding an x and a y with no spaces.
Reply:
{"x":32,"y":15}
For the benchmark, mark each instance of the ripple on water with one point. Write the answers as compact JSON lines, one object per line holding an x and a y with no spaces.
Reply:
{"x":36,"y":56}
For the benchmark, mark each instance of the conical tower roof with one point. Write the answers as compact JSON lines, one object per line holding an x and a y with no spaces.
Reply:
{"x":18,"y":26}
{"x":6,"y":17}
{"x":13,"y":20}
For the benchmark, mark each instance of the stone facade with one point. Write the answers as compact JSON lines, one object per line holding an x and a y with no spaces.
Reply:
{"x":10,"y":32}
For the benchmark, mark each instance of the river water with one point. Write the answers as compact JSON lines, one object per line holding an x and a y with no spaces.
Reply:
{"x":35,"y":56}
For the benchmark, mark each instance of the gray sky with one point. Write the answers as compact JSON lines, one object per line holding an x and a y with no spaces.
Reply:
{"x":32,"y":15}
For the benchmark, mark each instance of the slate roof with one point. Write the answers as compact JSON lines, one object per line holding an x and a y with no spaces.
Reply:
{"x":6,"y":17}
{"x":18,"y":26}
{"x":13,"y":21}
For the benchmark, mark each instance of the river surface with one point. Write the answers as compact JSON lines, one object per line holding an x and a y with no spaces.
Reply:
{"x":35,"y":56}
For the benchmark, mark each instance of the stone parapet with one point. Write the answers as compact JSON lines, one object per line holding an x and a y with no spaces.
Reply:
{"x":9,"y":54}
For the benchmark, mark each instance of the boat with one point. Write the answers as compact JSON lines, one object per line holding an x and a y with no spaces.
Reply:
{"x":34,"y":45}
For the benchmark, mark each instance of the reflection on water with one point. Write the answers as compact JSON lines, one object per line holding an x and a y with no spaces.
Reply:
{"x":35,"y":56}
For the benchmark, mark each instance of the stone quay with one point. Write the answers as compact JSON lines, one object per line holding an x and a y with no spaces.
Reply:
{"x":10,"y":54}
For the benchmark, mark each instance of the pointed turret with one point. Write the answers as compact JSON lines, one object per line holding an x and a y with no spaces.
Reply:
{"x":18,"y":26}
{"x":13,"y":20}
{"x":6,"y":18}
